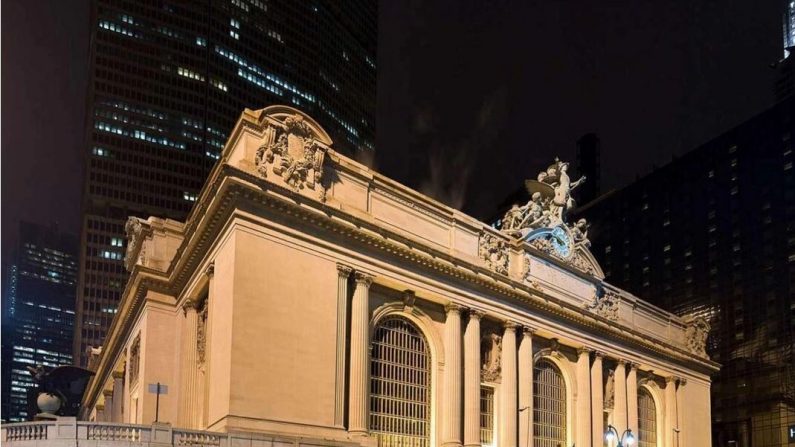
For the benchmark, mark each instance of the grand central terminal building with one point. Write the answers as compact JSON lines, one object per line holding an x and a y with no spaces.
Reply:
{"x":307,"y":295}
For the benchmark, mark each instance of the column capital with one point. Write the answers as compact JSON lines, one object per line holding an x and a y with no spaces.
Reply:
{"x":363,"y":279}
{"x":118,"y":374}
{"x":682,"y":381}
{"x":633,"y":366}
{"x":343,"y":270}
{"x":599,"y":354}
{"x":671,"y":379}
{"x":453,"y":307}
{"x":476,"y":314}
{"x":189,"y":304}
{"x":528,"y":331}
{"x":210,"y":270}
{"x":622,"y":362}
{"x":584,"y":350}
{"x":107,"y":393}
{"x":510,"y":325}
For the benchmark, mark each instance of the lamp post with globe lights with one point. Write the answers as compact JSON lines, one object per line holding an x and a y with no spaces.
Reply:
{"x":626,"y":439}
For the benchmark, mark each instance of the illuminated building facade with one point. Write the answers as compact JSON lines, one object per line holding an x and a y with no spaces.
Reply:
{"x":713,"y":233}
{"x":38,"y":311}
{"x":308,"y":296}
{"x":166,"y":80}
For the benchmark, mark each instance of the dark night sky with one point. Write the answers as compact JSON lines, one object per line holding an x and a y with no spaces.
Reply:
{"x":473,"y":96}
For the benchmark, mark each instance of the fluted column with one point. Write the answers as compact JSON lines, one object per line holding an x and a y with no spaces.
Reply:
{"x":472,"y":364}
{"x":453,"y":377}
{"x":583,"y":424}
{"x":681,"y":408}
{"x":620,"y":403}
{"x":359,"y":368}
{"x":117,"y":414}
{"x":632,"y":398}
{"x":526,"y":388}
{"x":597,"y":400}
{"x":100,"y":413}
{"x":510,"y":408}
{"x":343,"y":273}
{"x":108,"y":395}
{"x":670,"y":412}
{"x":189,"y":368}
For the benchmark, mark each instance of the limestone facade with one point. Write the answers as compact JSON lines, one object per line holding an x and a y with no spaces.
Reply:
{"x":307,"y":295}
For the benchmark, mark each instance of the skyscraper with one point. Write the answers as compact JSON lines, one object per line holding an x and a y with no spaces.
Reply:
{"x":713,"y":234}
{"x":168,"y":81}
{"x":38,"y":311}
{"x":785,"y":82}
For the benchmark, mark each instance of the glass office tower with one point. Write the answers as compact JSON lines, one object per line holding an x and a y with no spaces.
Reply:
{"x":169,"y":80}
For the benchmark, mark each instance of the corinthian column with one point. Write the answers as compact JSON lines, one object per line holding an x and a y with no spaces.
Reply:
{"x":359,"y":370}
{"x":451,"y":410}
{"x":669,"y":433}
{"x":108,"y":395}
{"x":597,"y":400}
{"x":510,"y":410}
{"x":526,"y":388}
{"x":632,"y":398}
{"x":620,"y":405}
{"x":583,"y":434}
{"x":681,"y":408}
{"x":343,"y":273}
{"x":189,"y":370}
{"x":472,"y":380}
{"x":118,"y":396}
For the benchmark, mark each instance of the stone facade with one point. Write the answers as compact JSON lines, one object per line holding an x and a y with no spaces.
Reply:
{"x":261,"y":312}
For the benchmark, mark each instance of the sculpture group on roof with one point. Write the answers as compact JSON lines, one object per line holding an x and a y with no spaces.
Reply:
{"x":550,"y":201}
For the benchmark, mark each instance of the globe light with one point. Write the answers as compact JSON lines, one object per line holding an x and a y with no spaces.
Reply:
{"x":609,"y":436}
{"x":630,"y":439}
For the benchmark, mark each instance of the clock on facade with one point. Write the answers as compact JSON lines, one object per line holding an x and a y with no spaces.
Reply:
{"x":561,"y":242}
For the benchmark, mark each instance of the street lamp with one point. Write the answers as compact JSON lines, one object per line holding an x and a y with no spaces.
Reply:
{"x":626,"y":439}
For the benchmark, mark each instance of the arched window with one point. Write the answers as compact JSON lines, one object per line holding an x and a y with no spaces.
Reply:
{"x":400,"y":378}
{"x":647,"y":419}
{"x":549,"y":405}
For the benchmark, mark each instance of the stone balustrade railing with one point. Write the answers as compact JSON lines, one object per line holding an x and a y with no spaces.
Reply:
{"x":68,"y":432}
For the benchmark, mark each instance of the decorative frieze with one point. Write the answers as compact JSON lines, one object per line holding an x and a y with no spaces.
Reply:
{"x":696,"y":335}
{"x":605,"y":303}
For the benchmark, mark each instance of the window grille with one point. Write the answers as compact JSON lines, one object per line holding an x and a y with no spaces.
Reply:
{"x":400,"y":375}
{"x":486,"y":416}
{"x":549,"y":406}
{"x":647,"y":420}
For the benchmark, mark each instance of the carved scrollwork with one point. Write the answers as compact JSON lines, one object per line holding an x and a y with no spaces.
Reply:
{"x":696,"y":335}
{"x":291,"y":152}
{"x":494,"y":252}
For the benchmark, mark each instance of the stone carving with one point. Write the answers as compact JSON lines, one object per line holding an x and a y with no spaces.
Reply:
{"x":696,"y":336}
{"x":292,"y":153}
{"x":135,"y":358}
{"x":490,"y":354}
{"x":134,"y":231}
{"x":610,"y":390}
{"x":605,"y":303}
{"x":201,"y":333}
{"x":494,"y":252}
{"x":579,"y":232}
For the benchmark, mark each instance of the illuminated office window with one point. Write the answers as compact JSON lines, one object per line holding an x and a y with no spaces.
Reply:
{"x":400,"y":377}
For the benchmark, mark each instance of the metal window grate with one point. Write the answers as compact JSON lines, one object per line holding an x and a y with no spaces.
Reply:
{"x":486,"y":416}
{"x":400,"y":374}
{"x":647,"y":420}
{"x":549,"y":406}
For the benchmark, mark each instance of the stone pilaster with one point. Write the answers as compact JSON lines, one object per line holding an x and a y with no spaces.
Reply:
{"x":583,"y":409}
{"x":597,"y":400}
{"x":453,"y":377}
{"x":117,"y":414}
{"x":359,"y":368}
{"x":100,"y":413}
{"x":189,"y":370}
{"x":510,"y":407}
{"x":681,"y":408}
{"x":343,"y":273}
{"x":108,"y":395}
{"x":526,"y":387}
{"x":669,"y":425}
{"x":620,"y":404}
{"x":632,"y":397}
{"x":472,"y":364}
